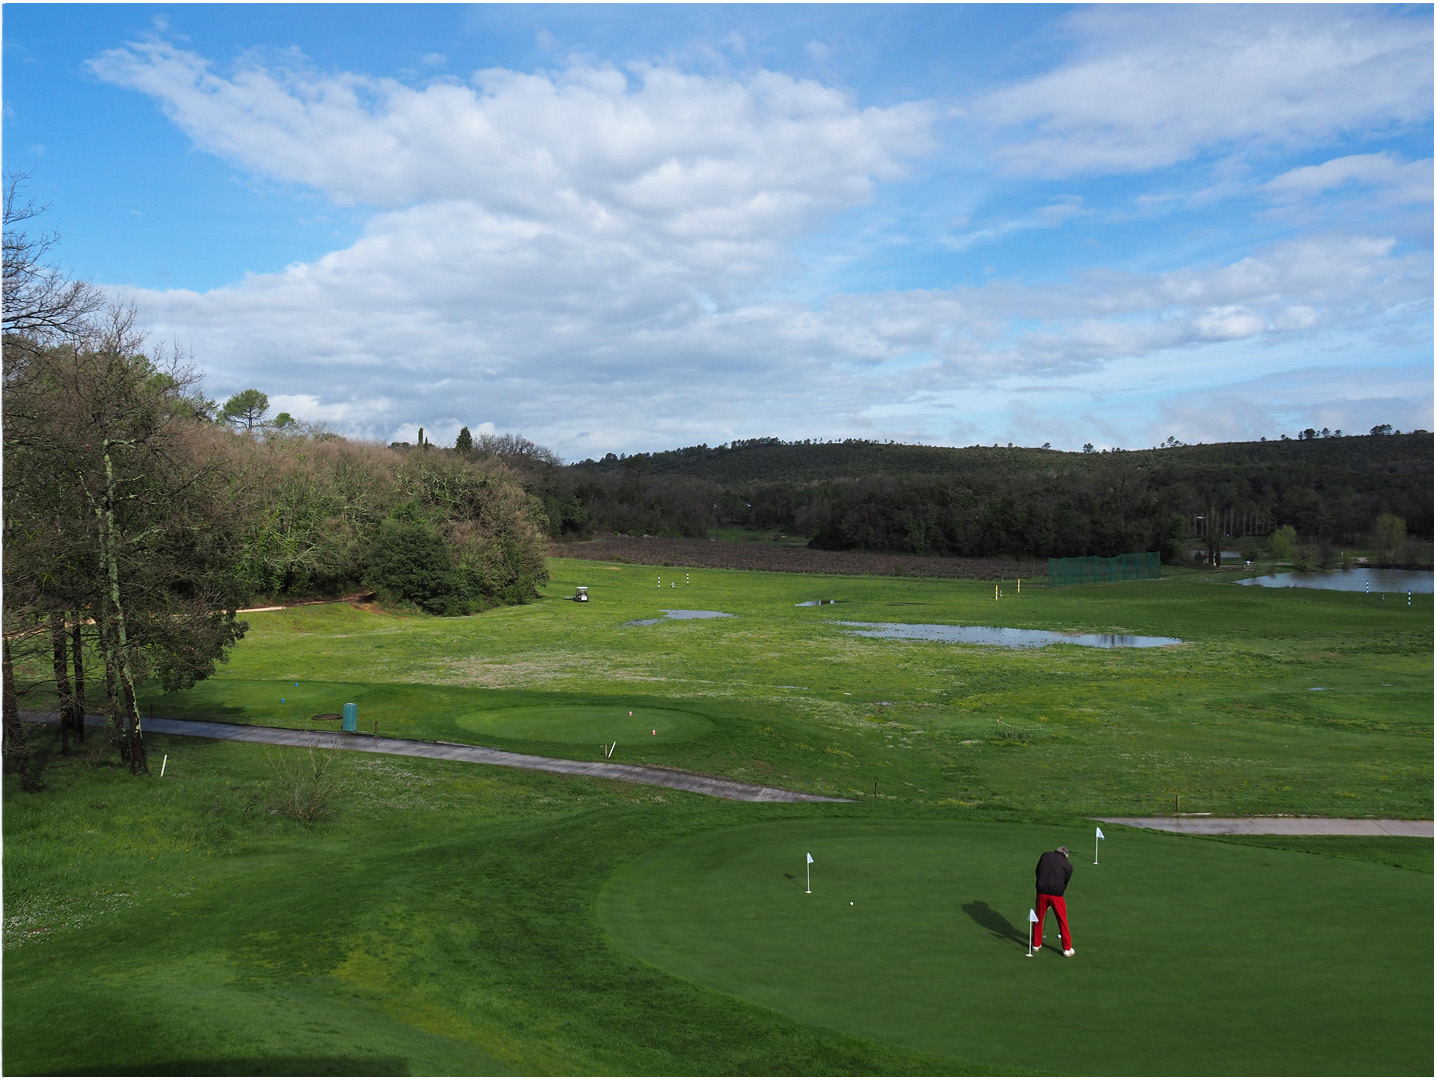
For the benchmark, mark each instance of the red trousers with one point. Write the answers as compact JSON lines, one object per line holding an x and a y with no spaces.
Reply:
{"x":1060,"y":909}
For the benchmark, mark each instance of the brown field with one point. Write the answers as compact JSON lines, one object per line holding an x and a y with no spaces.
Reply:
{"x":736,"y":555}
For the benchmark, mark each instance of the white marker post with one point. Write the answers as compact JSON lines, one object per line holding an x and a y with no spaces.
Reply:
{"x":163,"y":764}
{"x":808,"y":873}
{"x":1032,"y":920}
{"x":1100,"y":836}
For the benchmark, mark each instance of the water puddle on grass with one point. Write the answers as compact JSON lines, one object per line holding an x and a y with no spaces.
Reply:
{"x":1356,"y":579}
{"x":1004,"y":636}
{"x":680,"y":613}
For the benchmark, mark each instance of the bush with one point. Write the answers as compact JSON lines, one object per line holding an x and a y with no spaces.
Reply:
{"x":309,"y":781}
{"x":410,"y":561}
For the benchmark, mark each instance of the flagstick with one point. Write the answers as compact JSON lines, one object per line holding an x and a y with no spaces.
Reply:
{"x":1096,"y":838}
{"x":808,"y":878}
{"x":1032,"y":918}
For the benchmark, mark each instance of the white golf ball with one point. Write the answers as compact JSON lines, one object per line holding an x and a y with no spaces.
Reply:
{"x":850,"y":903}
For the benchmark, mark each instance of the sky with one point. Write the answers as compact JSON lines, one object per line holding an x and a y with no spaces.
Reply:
{"x":616,"y":229}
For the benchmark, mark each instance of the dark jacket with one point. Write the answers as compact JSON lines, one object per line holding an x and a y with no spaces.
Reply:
{"x":1054,"y":870}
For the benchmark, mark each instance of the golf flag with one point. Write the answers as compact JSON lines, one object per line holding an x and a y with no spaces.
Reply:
{"x":1095,"y":844}
{"x":810,"y":857}
{"x":1032,"y":920}
{"x":1100,"y":834}
{"x":808,"y":874}
{"x":1032,"y":915}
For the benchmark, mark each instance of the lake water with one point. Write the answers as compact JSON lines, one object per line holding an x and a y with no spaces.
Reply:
{"x":1005,"y":636}
{"x":680,"y":613}
{"x":1358,"y":579}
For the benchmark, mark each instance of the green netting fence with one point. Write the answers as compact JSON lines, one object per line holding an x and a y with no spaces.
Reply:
{"x":1089,"y":569}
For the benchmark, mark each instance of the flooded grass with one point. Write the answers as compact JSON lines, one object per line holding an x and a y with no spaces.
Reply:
{"x":1006,"y":637}
{"x":1359,"y":579}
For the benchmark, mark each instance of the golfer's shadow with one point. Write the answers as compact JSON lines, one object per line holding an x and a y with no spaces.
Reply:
{"x":994,"y":922}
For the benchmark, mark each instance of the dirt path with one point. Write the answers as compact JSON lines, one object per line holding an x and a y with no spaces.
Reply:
{"x":480,"y":755}
{"x":1277,"y":826}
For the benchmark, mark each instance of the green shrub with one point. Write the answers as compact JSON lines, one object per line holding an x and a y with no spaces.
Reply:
{"x":410,"y":561}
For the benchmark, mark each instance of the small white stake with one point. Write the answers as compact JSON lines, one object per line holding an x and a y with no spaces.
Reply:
{"x":163,"y":763}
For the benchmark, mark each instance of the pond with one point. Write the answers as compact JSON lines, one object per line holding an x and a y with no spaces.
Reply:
{"x":1355,"y":579}
{"x":680,"y":613}
{"x":1004,"y":636}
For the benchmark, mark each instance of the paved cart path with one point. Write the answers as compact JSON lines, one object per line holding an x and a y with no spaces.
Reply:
{"x":1277,"y":826}
{"x":482,"y":755}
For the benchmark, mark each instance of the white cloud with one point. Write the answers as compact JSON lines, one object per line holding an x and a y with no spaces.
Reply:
{"x":449,"y":313}
{"x":1154,"y":86}
{"x":1409,"y":182}
{"x":595,"y":256}
{"x":649,"y":145}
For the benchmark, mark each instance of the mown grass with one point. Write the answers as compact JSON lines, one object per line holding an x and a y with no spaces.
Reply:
{"x":442,"y":919}
{"x":1279,"y":701}
{"x":440,"y":923}
{"x":915,"y":933}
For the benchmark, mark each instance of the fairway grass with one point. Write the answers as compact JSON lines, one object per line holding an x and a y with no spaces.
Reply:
{"x":588,"y":724}
{"x":444,"y":918}
{"x":1279,"y":701}
{"x":1190,"y":956}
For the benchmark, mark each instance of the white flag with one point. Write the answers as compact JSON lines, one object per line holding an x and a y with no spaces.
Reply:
{"x":1100,"y":833}
{"x":1032,"y":915}
{"x":810,"y":858}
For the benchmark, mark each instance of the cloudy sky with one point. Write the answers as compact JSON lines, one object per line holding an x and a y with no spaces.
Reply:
{"x":636,"y":228}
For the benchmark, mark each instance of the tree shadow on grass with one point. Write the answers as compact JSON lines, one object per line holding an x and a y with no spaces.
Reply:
{"x":994,"y":922}
{"x":270,"y":1066}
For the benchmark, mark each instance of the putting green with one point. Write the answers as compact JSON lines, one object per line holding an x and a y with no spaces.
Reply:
{"x":1192,"y":956}
{"x":588,"y":724}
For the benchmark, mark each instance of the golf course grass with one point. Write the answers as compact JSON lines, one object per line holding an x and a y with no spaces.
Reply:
{"x":445,"y":918}
{"x":587,"y":724}
{"x":1218,"y":959}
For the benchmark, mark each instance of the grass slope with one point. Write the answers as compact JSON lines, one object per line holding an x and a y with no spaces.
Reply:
{"x":445,"y":918}
{"x":1280,"y":701}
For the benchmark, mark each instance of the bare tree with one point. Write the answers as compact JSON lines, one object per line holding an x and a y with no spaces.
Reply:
{"x":42,"y":304}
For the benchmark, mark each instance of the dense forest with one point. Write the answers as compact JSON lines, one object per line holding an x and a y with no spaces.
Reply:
{"x":1003,"y":501}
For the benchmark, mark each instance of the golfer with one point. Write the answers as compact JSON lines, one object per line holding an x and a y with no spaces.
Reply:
{"x":1053,"y":873}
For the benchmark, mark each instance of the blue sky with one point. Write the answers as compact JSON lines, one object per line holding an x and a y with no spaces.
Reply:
{"x":635,"y":228}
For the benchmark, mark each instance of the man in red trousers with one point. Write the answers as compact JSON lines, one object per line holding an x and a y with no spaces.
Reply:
{"x":1053,"y":873}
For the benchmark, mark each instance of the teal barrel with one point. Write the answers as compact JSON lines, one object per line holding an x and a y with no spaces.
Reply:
{"x":351,"y":716}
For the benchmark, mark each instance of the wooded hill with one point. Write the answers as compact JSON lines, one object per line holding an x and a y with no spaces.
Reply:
{"x":1010,"y":501}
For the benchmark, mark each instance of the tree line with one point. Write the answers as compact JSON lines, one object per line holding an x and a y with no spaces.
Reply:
{"x":140,"y":517}
{"x":1006,"y":501}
